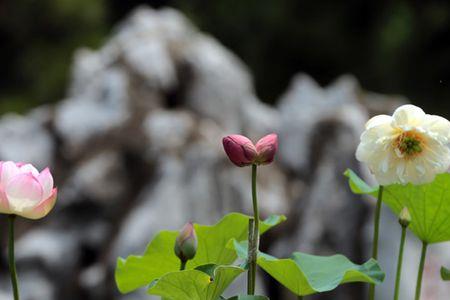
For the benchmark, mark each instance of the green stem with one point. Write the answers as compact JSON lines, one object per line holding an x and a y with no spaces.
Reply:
{"x":182,"y":265}
{"x":300,"y":297}
{"x":12,"y":264}
{"x":251,"y":231}
{"x":420,"y":273}
{"x":399,"y":263}
{"x":254,"y":239}
{"x":376,"y":228}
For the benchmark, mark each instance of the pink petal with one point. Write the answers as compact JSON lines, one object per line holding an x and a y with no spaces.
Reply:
{"x":46,"y":180}
{"x":23,"y":187}
{"x":266,"y":148}
{"x":28,"y":168}
{"x":43,"y":208}
{"x":240,"y":149}
{"x":4,"y":206}
{"x":8,"y":171}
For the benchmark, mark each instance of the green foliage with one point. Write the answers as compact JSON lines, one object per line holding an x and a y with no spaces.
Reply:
{"x":445,"y":274}
{"x":38,"y":40}
{"x":159,"y":257}
{"x":248,"y":297}
{"x":428,"y":204}
{"x":195,"y":284}
{"x":305,"y":274}
{"x":213,"y":239}
{"x":359,"y":186}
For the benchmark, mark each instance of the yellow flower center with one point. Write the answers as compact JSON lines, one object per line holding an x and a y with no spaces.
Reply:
{"x":409,"y":143}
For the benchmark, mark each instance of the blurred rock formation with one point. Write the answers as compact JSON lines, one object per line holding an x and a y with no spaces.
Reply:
{"x":136,"y":148}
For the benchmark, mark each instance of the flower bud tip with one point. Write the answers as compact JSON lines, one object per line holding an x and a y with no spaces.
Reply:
{"x":404,"y":218}
{"x":186,"y":243}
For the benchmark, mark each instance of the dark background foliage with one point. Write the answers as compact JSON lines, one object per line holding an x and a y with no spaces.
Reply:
{"x":398,"y":47}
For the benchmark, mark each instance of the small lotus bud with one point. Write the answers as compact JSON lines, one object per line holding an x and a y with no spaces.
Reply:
{"x":404,"y":218}
{"x":240,"y":150}
{"x":186,"y":243}
{"x":266,"y":148}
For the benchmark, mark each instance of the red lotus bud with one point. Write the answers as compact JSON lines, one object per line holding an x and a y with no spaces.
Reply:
{"x":242,"y":152}
{"x":186,"y":243}
{"x":266,"y":148}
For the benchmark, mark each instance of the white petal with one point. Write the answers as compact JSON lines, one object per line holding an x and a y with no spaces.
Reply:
{"x":387,"y":178}
{"x":407,"y":116}
{"x":437,"y":125}
{"x":401,"y":165}
{"x":384,"y":165}
{"x":363,"y":152}
{"x":46,"y":181}
{"x":8,"y":171}
{"x":379,"y":120}
{"x":29,"y":168}
{"x":23,"y":192}
{"x":371,"y":149}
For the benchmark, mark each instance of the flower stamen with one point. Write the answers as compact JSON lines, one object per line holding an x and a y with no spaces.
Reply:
{"x":408,"y":144}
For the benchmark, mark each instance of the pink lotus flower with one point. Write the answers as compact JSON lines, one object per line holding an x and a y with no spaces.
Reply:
{"x":242,"y":152}
{"x":24,"y":191}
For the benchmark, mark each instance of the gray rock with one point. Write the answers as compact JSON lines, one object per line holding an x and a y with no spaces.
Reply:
{"x":34,"y":285}
{"x":168,"y":130}
{"x":26,"y":139}
{"x":5,"y":295}
{"x":259,"y":119}
{"x":220,"y":84}
{"x":88,"y":66}
{"x":305,"y":105}
{"x":161,"y":206}
{"x":94,"y":110}
{"x":92,"y":279}
{"x":52,"y":249}
{"x":100,"y":178}
{"x":152,"y":61}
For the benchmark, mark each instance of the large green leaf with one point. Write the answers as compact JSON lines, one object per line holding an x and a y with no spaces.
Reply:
{"x":195,"y":284}
{"x":428,"y":204}
{"x":213,"y":239}
{"x":159,"y":258}
{"x":445,"y":274}
{"x":306,"y":274}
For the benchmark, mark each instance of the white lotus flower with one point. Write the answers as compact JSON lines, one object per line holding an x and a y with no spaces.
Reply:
{"x":410,"y":146}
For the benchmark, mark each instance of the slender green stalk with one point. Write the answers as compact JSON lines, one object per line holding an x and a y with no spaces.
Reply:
{"x":251,"y":231}
{"x":376,"y":228}
{"x":254,"y":239}
{"x":420,"y":273}
{"x":12,"y":264}
{"x":399,"y":263}
{"x":300,"y":298}
{"x":182,"y":265}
